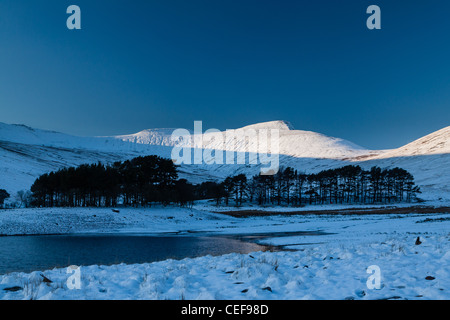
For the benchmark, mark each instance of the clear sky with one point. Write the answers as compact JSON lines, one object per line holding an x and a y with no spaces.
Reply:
{"x":163,"y":64}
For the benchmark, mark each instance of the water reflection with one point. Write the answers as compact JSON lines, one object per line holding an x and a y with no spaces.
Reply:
{"x":31,"y":253}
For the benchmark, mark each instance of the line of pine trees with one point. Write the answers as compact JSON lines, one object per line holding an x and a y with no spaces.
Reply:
{"x":137,"y":182}
{"x":146,"y":180}
{"x":349,"y":184}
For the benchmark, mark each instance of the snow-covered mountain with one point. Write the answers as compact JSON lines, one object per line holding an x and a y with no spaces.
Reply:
{"x":26,"y":153}
{"x":26,"y":135}
{"x":295,"y":143}
{"x":158,"y":137}
{"x":435,"y":143}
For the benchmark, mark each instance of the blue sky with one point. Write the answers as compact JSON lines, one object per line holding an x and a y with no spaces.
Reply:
{"x":148,"y":64}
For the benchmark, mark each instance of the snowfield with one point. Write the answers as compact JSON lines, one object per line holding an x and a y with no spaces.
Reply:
{"x":332,"y":265}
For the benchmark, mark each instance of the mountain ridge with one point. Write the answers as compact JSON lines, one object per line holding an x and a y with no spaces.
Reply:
{"x":25,"y":153}
{"x":433,"y":143}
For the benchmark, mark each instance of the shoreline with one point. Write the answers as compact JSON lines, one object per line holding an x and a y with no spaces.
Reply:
{"x":333,"y":270}
{"x":199,"y":219}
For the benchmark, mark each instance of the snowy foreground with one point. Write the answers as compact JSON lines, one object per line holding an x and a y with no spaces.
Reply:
{"x":331,"y":266}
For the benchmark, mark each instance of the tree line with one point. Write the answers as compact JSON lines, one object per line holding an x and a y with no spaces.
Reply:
{"x":146,"y":180}
{"x":346,"y":185}
{"x":137,"y":182}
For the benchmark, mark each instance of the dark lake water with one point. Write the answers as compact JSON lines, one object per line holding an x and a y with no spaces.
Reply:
{"x":38,"y":253}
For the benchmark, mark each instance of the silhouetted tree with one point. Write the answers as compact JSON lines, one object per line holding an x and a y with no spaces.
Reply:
{"x":3,"y":196}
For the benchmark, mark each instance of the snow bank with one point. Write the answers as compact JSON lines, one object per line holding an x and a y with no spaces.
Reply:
{"x":322,"y":272}
{"x":331,"y":266}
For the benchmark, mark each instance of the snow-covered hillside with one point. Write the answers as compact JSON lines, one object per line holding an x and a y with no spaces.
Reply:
{"x":25,"y":153}
{"x":435,"y":143}
{"x":158,"y":137}
{"x":295,"y":143}
{"x":37,"y":137}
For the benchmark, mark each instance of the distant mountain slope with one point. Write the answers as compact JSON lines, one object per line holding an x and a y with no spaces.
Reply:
{"x":26,"y":153}
{"x":159,"y":137}
{"x":295,"y":143}
{"x":435,"y":143}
